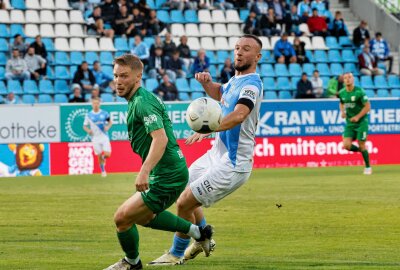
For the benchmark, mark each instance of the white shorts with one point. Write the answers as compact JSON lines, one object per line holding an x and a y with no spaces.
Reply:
{"x":213,"y":181}
{"x":101,"y":145}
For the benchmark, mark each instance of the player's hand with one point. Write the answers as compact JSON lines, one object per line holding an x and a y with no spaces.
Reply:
{"x":343,"y":115}
{"x":354,"y":119}
{"x":90,"y":133}
{"x":106,"y":128}
{"x":196,"y":137}
{"x":203,"y":77}
{"x":142,"y":181}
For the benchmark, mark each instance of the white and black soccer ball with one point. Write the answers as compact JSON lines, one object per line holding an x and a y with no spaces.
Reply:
{"x":204,"y":115}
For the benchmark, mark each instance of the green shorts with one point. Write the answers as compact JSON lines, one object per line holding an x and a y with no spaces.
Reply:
{"x":164,"y":190}
{"x":357,"y":131}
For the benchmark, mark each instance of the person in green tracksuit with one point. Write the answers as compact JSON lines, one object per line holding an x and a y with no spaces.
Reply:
{"x":163,"y":174}
{"x":354,"y":106}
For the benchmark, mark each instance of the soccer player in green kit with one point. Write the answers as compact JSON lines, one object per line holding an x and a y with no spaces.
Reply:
{"x":354,"y":106}
{"x":163,"y":174}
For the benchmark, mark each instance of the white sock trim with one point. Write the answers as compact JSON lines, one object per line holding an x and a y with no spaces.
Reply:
{"x":194,"y":231}
{"x":134,"y":261}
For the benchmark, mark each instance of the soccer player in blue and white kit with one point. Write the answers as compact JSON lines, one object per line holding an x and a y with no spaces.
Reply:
{"x":228,"y":164}
{"x":97,"y":123}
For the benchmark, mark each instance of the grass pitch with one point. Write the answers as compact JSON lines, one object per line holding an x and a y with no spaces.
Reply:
{"x":330,"y":218}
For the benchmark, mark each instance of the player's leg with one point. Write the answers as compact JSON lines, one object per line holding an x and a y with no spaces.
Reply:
{"x":348,"y":136}
{"x":106,"y":153}
{"x":362,"y":132}
{"x":98,"y":150}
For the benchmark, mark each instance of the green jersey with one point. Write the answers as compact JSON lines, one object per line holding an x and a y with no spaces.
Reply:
{"x":147,"y":113}
{"x":353,"y":101}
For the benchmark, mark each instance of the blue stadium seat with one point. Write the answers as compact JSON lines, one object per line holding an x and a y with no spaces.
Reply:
{"x":267,"y":57}
{"x":244,"y":13}
{"x":345,"y":42}
{"x":270,"y":95}
{"x":4,"y":33}
{"x":3,"y":45}
{"x":76,"y":58}
{"x":213,"y":71}
{"x":269,"y":84}
{"x":182,"y":85}
{"x":283,"y":83}
{"x":395,"y":93}
{"x":370,"y":93}
{"x":383,"y":93}
{"x":357,"y":81}
{"x":331,"y":43}
{"x":310,"y":56}
{"x":3,"y":88}
{"x":17,"y":29}
{"x":159,"y":3}
{"x":109,"y":70}
{"x":351,"y":67}
{"x":195,"y":86}
{"x":72,"y":70}
{"x":121,"y":44}
{"x":120,"y":99}
{"x":281,"y":70}
{"x":197,"y":95}
{"x":191,"y":16}
{"x":48,"y":42}
{"x":46,"y":87}
{"x":2,"y":73}
{"x":61,"y":73}
{"x":29,"y":40}
{"x":28,"y":99}
{"x":45,"y":98}
{"x":211,"y":56}
{"x":107,"y":97}
{"x":366,"y":82}
{"x":295,"y":70}
{"x":61,"y":58}
{"x":323,"y":69}
{"x":151,"y":84}
{"x":349,"y":57}
{"x":320,"y":56}
{"x":1,"y":99}
{"x":183,"y":96}
{"x":295,"y":80}
{"x":163,"y":15}
{"x":222,"y":55}
{"x":380,"y":82}
{"x":106,"y":58}
{"x":60,"y":98}
{"x":90,"y":57}
{"x":151,"y":4}
{"x":30,"y":87}
{"x":61,"y":87}
{"x":14,"y":86}
{"x":308,"y":68}
{"x":267,"y":70}
{"x":18,"y":4}
{"x":336,"y":69}
{"x":149,"y":41}
{"x":177,"y":16}
{"x":50,"y":59}
{"x":334,"y":56}
{"x":285,"y":95}
{"x":394,"y":81}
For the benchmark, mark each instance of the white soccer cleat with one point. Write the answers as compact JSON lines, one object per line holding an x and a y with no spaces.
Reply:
{"x":166,"y":259}
{"x":368,"y":171}
{"x":124,"y":265}
{"x":103,"y":174}
{"x":195,"y":249}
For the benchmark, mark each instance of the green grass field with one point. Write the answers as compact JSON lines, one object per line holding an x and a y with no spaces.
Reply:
{"x":331,"y":218}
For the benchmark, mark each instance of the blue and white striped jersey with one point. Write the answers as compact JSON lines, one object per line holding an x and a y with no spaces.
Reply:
{"x":97,"y":121}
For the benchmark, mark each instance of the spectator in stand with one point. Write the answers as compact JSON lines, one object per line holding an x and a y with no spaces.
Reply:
{"x":19,"y":44}
{"x":11,"y":99}
{"x":380,"y":48}
{"x":175,"y":67}
{"x":268,"y":24}
{"x":201,"y":62}
{"x":223,"y":4}
{"x":292,"y":21}
{"x":284,"y":52}
{"x":180,"y":4}
{"x":129,"y":5}
{"x":102,"y":79}
{"x":84,"y":77}
{"x":140,"y":49}
{"x":317,"y":24}
{"x":76,"y":94}
{"x":260,"y":7}
{"x":16,"y":68}
{"x":40,"y":48}
{"x":320,"y":6}
{"x":368,"y":64}
{"x":338,"y":27}
{"x":360,"y":34}
{"x":96,"y":24}
{"x":35,"y":63}
{"x":227,"y":71}
{"x":154,"y":25}
{"x":251,"y":25}
{"x":300,"y":50}
{"x":167,"y":90}
{"x":334,"y":86}
{"x":139,"y":23}
{"x":143,"y":7}
{"x":157,"y":44}
{"x":157,"y":64}
{"x":82,"y":5}
{"x":279,"y":11}
{"x":2,"y":4}
{"x":304,"y":88}
{"x":123,"y":24}
{"x":184,"y":52}
{"x":317,"y":85}
{"x":109,"y":11}
{"x":303,"y":7}
{"x":168,"y":46}
{"x":95,"y":93}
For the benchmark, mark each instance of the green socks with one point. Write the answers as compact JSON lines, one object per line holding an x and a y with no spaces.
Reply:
{"x":354,"y":148}
{"x":129,"y":241}
{"x":166,"y":221}
{"x":366,"y":158}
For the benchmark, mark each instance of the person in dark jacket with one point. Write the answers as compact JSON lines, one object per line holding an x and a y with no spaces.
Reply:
{"x":77,"y":95}
{"x":40,"y":48}
{"x":167,"y":91}
{"x":109,"y":11}
{"x":157,"y":64}
{"x":227,"y":71}
{"x":300,"y":49}
{"x":360,"y":34}
{"x":251,"y":25}
{"x":84,"y":77}
{"x":304,"y":88}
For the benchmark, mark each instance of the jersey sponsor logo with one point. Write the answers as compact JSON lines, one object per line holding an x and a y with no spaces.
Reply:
{"x":180,"y":154}
{"x":208,"y":186}
{"x":249,"y":93}
{"x":148,"y":120}
{"x":365,"y":98}
{"x":353,"y":98}
{"x":349,"y":105}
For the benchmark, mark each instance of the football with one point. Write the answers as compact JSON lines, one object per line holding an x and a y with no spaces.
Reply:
{"x":204,"y":115}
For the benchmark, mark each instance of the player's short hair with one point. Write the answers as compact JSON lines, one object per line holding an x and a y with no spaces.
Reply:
{"x":96,"y":99}
{"x":129,"y":60}
{"x":253,"y":37}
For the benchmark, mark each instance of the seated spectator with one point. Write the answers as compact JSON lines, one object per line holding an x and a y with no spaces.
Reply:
{"x":143,"y":7}
{"x":154,"y":25}
{"x":95,"y":24}
{"x":260,"y":7}
{"x":140,"y":49}
{"x":201,"y":62}
{"x":19,"y":44}
{"x":168,"y":46}
{"x":223,"y":4}
{"x":76,"y":94}
{"x":102,"y":79}
{"x":283,"y":51}
{"x":338,"y":27}
{"x":317,"y":24}
{"x":268,"y":24}
{"x":317,"y":85}
{"x":11,"y":99}
{"x":184,"y":52}
{"x":167,"y":90}
{"x":300,"y":50}
{"x":180,"y":4}
{"x":175,"y":67}
{"x":40,"y":48}
{"x":227,"y":71}
{"x":95,"y":93}
{"x":157,"y":64}
{"x":129,"y":5}
{"x":252,"y":25}
{"x":16,"y":68}
{"x":157,"y":44}
{"x":292,"y":21}
{"x":82,"y":5}
{"x":109,"y":11}
{"x":334,"y":86}
{"x":380,"y":48}
{"x":279,"y":11}
{"x":303,"y":7}
{"x":368,"y":64}
{"x":139,"y":23}
{"x":304,"y":88}
{"x":36,"y":64}
{"x":84,"y":77}
{"x":123,"y":24}
{"x":360,"y":34}
{"x":320,"y":6}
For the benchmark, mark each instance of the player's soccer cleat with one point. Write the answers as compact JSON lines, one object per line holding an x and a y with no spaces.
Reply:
{"x":368,"y":171}
{"x":195,"y":249}
{"x":103,"y":174}
{"x":166,"y":259}
{"x":205,"y":239}
{"x":124,"y":265}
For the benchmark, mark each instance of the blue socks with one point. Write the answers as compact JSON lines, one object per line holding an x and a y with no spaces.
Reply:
{"x":202,"y":222}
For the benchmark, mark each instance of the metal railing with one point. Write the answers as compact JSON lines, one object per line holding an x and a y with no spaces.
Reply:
{"x":391,"y":6}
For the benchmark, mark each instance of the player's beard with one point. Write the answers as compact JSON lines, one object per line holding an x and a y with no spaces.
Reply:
{"x":242,"y":68}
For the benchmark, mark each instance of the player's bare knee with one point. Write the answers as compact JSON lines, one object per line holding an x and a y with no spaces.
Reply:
{"x":347,"y":146}
{"x":107,"y":155}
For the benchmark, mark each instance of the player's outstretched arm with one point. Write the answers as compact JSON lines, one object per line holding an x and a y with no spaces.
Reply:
{"x":108,"y":126}
{"x":234,"y":118}
{"x":212,"y":89}
{"x":196,"y":137}
{"x":87,"y":130}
